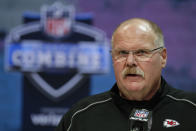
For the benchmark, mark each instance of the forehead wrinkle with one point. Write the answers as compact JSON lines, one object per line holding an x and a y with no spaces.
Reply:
{"x":133,"y":31}
{"x":134,"y":25}
{"x":126,"y":39}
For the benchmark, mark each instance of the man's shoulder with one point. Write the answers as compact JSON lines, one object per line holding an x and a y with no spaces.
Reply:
{"x":93,"y":100}
{"x":182,"y":96}
{"x":82,"y":106}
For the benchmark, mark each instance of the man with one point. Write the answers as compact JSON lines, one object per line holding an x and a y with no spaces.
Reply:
{"x":141,"y":100}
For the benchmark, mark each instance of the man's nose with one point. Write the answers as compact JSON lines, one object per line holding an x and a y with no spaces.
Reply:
{"x":131,"y":59}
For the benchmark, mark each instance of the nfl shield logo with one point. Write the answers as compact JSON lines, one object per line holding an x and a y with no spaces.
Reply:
{"x":57,"y":19}
{"x":141,"y":113}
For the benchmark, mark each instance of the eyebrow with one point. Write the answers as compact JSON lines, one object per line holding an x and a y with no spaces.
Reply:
{"x":131,"y":49}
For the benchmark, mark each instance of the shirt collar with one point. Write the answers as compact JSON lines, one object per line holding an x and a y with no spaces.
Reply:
{"x":128,"y":105}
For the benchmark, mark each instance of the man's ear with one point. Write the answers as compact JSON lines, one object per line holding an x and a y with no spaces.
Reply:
{"x":164,"y":57}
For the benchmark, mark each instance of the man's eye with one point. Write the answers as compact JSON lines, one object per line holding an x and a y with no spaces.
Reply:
{"x":141,"y":52}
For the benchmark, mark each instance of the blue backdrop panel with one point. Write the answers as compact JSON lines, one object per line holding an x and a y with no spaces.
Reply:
{"x":42,"y":110}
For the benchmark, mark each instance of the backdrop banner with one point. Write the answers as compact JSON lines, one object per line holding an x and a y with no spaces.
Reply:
{"x":57,"y":52}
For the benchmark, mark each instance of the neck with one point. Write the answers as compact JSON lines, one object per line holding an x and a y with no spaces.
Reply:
{"x":142,"y":97}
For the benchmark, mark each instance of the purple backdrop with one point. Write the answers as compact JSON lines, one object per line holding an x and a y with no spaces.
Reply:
{"x":175,"y":17}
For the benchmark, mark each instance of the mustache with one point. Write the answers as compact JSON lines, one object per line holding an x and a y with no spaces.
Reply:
{"x":132,"y":70}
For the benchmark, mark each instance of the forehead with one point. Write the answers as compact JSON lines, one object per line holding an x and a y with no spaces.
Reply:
{"x":134,"y":36}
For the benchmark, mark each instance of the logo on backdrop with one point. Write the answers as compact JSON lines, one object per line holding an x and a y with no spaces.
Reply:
{"x":57,"y":19}
{"x":33,"y":56}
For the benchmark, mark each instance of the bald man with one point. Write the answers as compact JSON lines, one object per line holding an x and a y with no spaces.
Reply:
{"x":140,"y":100}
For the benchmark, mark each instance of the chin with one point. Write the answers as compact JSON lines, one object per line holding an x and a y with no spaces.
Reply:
{"x":134,"y":86}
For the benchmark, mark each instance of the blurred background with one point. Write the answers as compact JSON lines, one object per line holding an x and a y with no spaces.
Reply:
{"x":176,"y":18}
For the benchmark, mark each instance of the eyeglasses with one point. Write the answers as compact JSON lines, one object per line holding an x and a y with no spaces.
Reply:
{"x":139,"y":55}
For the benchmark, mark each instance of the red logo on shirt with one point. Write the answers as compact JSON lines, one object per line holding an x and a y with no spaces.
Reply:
{"x":170,"y":123}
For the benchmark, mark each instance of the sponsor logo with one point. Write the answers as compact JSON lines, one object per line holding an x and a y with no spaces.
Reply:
{"x":41,"y":119}
{"x":170,"y":123}
{"x":48,"y":116}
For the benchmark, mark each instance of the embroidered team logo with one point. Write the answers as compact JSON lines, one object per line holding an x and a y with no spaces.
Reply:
{"x":170,"y":123}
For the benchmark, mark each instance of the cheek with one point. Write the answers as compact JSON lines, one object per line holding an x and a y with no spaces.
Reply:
{"x":118,"y":68}
{"x":152,"y":69}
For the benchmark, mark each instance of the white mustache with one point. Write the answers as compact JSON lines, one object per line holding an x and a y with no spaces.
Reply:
{"x":132,"y":70}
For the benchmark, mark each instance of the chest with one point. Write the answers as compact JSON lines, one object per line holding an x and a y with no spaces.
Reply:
{"x":165,"y":117}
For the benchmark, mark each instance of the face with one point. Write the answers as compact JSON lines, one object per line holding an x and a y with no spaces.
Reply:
{"x":137,"y":80}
